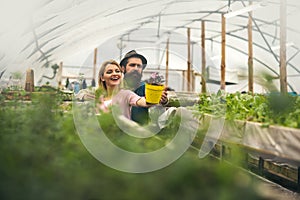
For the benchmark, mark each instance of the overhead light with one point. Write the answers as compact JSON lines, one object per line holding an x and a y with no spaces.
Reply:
{"x":244,"y":10}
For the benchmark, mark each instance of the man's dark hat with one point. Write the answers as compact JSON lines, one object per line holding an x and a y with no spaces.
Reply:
{"x":133,"y":54}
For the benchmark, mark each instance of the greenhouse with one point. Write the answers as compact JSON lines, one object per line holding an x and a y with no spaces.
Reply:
{"x":136,"y":99}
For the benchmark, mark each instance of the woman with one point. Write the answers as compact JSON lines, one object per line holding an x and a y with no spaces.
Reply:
{"x":111,"y":93}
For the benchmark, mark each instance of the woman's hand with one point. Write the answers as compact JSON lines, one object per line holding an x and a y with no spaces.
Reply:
{"x":102,"y":105}
{"x":142,"y":102}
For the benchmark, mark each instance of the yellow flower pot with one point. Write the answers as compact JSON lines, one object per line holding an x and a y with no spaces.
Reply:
{"x":153,"y":93}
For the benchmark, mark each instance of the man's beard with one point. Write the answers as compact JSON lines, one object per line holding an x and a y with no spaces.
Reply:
{"x":132,"y":79}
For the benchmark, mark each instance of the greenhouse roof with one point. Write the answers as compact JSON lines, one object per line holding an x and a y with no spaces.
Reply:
{"x":40,"y":33}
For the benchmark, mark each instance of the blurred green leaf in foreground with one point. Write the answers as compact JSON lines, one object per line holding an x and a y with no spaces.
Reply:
{"x":42,"y":157}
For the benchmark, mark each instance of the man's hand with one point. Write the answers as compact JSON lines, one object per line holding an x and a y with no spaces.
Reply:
{"x":164,"y":97}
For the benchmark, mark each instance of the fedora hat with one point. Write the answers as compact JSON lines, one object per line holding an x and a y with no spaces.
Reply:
{"x":133,"y":54}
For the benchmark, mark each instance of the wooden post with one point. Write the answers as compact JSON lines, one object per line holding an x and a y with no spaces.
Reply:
{"x":298,"y":180}
{"x":223,"y":66}
{"x":29,"y":83}
{"x":283,"y":74}
{"x":167,"y":63}
{"x":261,"y":166}
{"x":95,"y":63}
{"x":203,"y":77}
{"x":183,"y":88}
{"x":189,"y":60}
{"x":59,"y":75}
{"x":193,"y":80}
{"x":250,"y":52}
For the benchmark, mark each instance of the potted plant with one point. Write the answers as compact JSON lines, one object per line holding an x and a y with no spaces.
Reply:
{"x":154,"y":88}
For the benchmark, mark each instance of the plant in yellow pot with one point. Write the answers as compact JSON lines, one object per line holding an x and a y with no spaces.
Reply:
{"x":154,"y":88}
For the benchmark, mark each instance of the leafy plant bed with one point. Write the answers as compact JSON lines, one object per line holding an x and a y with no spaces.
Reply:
{"x":16,"y":95}
{"x":27,"y":96}
{"x":267,"y":109}
{"x":63,"y":95}
{"x":181,"y":99}
{"x":267,"y":126}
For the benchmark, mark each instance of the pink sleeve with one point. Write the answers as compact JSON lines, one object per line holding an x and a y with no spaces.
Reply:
{"x":132,"y":97}
{"x":125,"y":99}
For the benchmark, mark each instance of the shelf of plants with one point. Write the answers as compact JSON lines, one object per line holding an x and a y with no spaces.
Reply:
{"x":264,"y":127}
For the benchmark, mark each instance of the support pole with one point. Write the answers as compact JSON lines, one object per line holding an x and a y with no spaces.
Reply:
{"x":183,"y":80}
{"x":95,"y":64}
{"x":250,"y":54}
{"x":223,"y":66}
{"x":203,"y":77}
{"x":167,"y":63}
{"x":298,"y":180}
{"x":59,"y":75}
{"x":283,"y":74}
{"x":189,"y":60}
{"x":29,"y":83}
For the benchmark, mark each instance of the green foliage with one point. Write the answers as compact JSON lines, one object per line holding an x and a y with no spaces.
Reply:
{"x":214,"y":104}
{"x":42,"y":157}
{"x":123,"y":140}
{"x":99,"y":92}
{"x":17,"y":75}
{"x":246,"y":107}
{"x":284,"y":109}
{"x":274,"y":108}
{"x":45,"y":88}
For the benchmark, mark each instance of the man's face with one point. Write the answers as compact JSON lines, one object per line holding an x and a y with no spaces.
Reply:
{"x":133,"y":72}
{"x":134,"y":64}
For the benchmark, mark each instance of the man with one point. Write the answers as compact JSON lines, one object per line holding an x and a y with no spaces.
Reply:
{"x":133,"y":65}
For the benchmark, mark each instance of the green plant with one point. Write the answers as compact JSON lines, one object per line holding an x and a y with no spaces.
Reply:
{"x":214,"y":104}
{"x":273,"y":108}
{"x":155,"y":79}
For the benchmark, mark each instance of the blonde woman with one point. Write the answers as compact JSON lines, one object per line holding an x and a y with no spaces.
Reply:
{"x":111,"y":93}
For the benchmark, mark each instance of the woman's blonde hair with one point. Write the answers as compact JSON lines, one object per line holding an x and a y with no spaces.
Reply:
{"x":102,"y":84}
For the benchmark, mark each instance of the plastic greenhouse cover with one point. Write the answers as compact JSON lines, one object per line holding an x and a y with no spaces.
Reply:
{"x":40,"y":33}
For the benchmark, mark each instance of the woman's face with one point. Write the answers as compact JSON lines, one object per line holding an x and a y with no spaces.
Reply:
{"x":112,"y":75}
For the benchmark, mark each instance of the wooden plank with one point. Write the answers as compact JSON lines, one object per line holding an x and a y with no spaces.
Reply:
{"x":223,"y":46}
{"x":59,"y":75}
{"x":95,"y":63}
{"x":203,"y":76}
{"x":283,"y":75}
{"x":167,"y":63}
{"x":189,"y":60}
{"x":250,"y":53}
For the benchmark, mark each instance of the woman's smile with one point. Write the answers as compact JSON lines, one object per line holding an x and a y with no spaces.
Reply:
{"x":112,"y":75}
